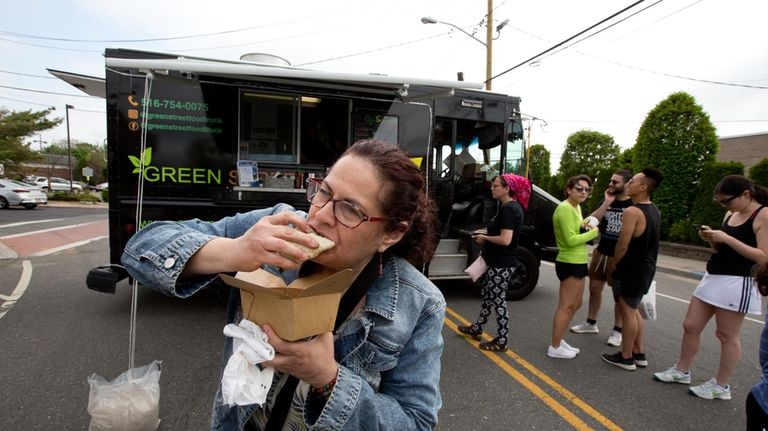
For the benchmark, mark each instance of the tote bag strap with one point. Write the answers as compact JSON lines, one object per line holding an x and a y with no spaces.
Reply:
{"x":348,"y":302}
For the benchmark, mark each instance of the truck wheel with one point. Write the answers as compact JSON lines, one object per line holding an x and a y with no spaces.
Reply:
{"x":529,"y":273}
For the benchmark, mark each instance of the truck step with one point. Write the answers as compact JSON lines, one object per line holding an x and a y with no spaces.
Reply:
{"x":447,"y":246}
{"x":448,"y":264}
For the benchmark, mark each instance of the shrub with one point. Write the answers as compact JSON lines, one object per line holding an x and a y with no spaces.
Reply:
{"x":759,"y":173}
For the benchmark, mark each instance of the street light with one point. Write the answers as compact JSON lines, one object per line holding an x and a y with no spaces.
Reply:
{"x":69,"y":148}
{"x":488,"y":44}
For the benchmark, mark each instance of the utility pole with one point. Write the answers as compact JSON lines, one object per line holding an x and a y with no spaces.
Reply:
{"x":69,"y":148}
{"x":488,"y":46}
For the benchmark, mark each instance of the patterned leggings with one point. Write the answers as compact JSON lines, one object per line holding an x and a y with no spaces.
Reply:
{"x":495,"y":282}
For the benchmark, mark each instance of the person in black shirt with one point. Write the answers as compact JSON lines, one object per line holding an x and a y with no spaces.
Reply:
{"x":499,"y":251}
{"x":727,"y":291}
{"x":634,"y":265}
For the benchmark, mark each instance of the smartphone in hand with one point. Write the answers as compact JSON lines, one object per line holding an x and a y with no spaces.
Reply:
{"x":700,"y":227}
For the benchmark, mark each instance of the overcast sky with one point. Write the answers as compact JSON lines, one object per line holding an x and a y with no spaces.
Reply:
{"x":607,"y":82}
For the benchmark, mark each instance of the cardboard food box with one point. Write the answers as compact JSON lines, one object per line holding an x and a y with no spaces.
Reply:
{"x":304,"y":308}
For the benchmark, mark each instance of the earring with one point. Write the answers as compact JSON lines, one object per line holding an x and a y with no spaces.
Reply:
{"x":381,"y":264}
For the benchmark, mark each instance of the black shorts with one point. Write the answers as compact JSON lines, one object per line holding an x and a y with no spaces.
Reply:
{"x":565,"y":270}
{"x":628,"y":292}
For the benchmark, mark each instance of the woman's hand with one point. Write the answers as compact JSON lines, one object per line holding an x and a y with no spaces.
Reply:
{"x":311,"y":360}
{"x":268,"y":242}
{"x":480,"y":238}
{"x":713,"y":235}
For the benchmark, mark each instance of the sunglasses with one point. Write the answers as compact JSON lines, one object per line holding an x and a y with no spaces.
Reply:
{"x":614,"y":182}
{"x":725,"y":202}
{"x":581,"y":189}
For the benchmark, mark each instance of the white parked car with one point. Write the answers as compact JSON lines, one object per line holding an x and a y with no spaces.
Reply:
{"x":57,"y":184}
{"x":18,"y":193}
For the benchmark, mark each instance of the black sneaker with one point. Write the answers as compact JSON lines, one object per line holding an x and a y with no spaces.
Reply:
{"x":618,"y":360}
{"x":639,"y":359}
{"x":472,"y":331}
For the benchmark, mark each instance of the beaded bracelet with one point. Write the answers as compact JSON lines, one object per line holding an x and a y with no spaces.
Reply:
{"x":325,"y":391}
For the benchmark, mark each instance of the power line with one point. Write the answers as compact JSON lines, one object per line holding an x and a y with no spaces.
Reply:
{"x":50,"y":47}
{"x":27,"y":74}
{"x":605,"y":28}
{"x":374,"y":50}
{"x":154,"y":39}
{"x":24,"y":101}
{"x":565,"y":41}
{"x":49,"y":92}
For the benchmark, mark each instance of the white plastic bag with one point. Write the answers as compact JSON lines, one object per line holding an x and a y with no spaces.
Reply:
{"x":131,"y":402}
{"x":647,"y":307}
{"x":477,"y":269}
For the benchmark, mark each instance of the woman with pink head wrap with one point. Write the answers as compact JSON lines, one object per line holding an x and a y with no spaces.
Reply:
{"x":499,"y":243}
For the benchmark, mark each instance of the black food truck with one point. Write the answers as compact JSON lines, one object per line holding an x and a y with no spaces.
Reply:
{"x":191,"y":137}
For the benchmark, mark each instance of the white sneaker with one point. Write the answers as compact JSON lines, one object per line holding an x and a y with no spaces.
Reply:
{"x":560,"y":352}
{"x":614,"y":339}
{"x":673,"y":375}
{"x":711,"y":390}
{"x":563,"y":343}
{"x":585,"y":328}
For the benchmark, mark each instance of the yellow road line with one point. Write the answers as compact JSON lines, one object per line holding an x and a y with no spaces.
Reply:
{"x":558,"y":408}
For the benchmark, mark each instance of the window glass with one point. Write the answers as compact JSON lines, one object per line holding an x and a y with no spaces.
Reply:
{"x":267,"y":127}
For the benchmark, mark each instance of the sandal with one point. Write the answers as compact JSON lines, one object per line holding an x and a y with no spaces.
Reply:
{"x":471,"y":330}
{"x":493,"y":346}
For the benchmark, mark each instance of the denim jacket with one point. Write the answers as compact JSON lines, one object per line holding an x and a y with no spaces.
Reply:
{"x":388,"y":352}
{"x":760,"y":390}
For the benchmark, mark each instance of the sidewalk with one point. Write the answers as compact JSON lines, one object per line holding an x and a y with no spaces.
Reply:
{"x":685,"y":263}
{"x":685,"y":267}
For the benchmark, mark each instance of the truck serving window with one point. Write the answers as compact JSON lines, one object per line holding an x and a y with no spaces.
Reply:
{"x":267,"y":127}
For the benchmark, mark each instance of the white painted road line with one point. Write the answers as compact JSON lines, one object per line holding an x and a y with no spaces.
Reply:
{"x":21,"y":287}
{"x":67,"y":246}
{"x":29,"y":222}
{"x":72,"y":226}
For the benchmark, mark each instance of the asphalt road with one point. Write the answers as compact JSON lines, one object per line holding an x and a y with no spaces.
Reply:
{"x":57,"y":333}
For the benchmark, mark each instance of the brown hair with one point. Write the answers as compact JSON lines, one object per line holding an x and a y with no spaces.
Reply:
{"x":575,"y":180}
{"x":734,"y":185}
{"x":403,"y":197}
{"x":760,"y":272}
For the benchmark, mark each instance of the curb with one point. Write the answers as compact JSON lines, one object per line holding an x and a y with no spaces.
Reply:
{"x":681,"y":272}
{"x":68,"y":204}
{"x":7,"y":252}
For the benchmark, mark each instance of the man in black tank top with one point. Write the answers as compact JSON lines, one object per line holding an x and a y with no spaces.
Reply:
{"x":634,"y":265}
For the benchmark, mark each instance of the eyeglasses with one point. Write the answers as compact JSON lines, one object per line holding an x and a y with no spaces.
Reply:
{"x":582,"y":189}
{"x":725,"y":202}
{"x":344,"y":212}
{"x":615,"y":182}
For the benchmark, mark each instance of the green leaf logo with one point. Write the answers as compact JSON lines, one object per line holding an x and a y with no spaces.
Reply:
{"x":146,"y":157}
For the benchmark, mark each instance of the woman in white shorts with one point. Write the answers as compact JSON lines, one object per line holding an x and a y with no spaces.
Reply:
{"x":727,"y":290}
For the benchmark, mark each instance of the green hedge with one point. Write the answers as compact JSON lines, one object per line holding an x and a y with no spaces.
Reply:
{"x":704,"y":210}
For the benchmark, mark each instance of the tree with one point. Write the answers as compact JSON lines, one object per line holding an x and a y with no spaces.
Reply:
{"x":677,"y":138}
{"x":83,"y":155}
{"x":703,"y":209}
{"x":593,"y":154}
{"x":539,"y":170}
{"x":759,"y":173}
{"x":14,"y":127}
{"x":588,"y":152}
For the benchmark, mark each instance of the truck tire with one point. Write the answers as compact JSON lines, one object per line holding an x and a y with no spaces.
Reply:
{"x":529,"y":273}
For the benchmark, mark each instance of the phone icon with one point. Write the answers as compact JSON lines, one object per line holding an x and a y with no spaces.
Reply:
{"x":131,"y":101}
